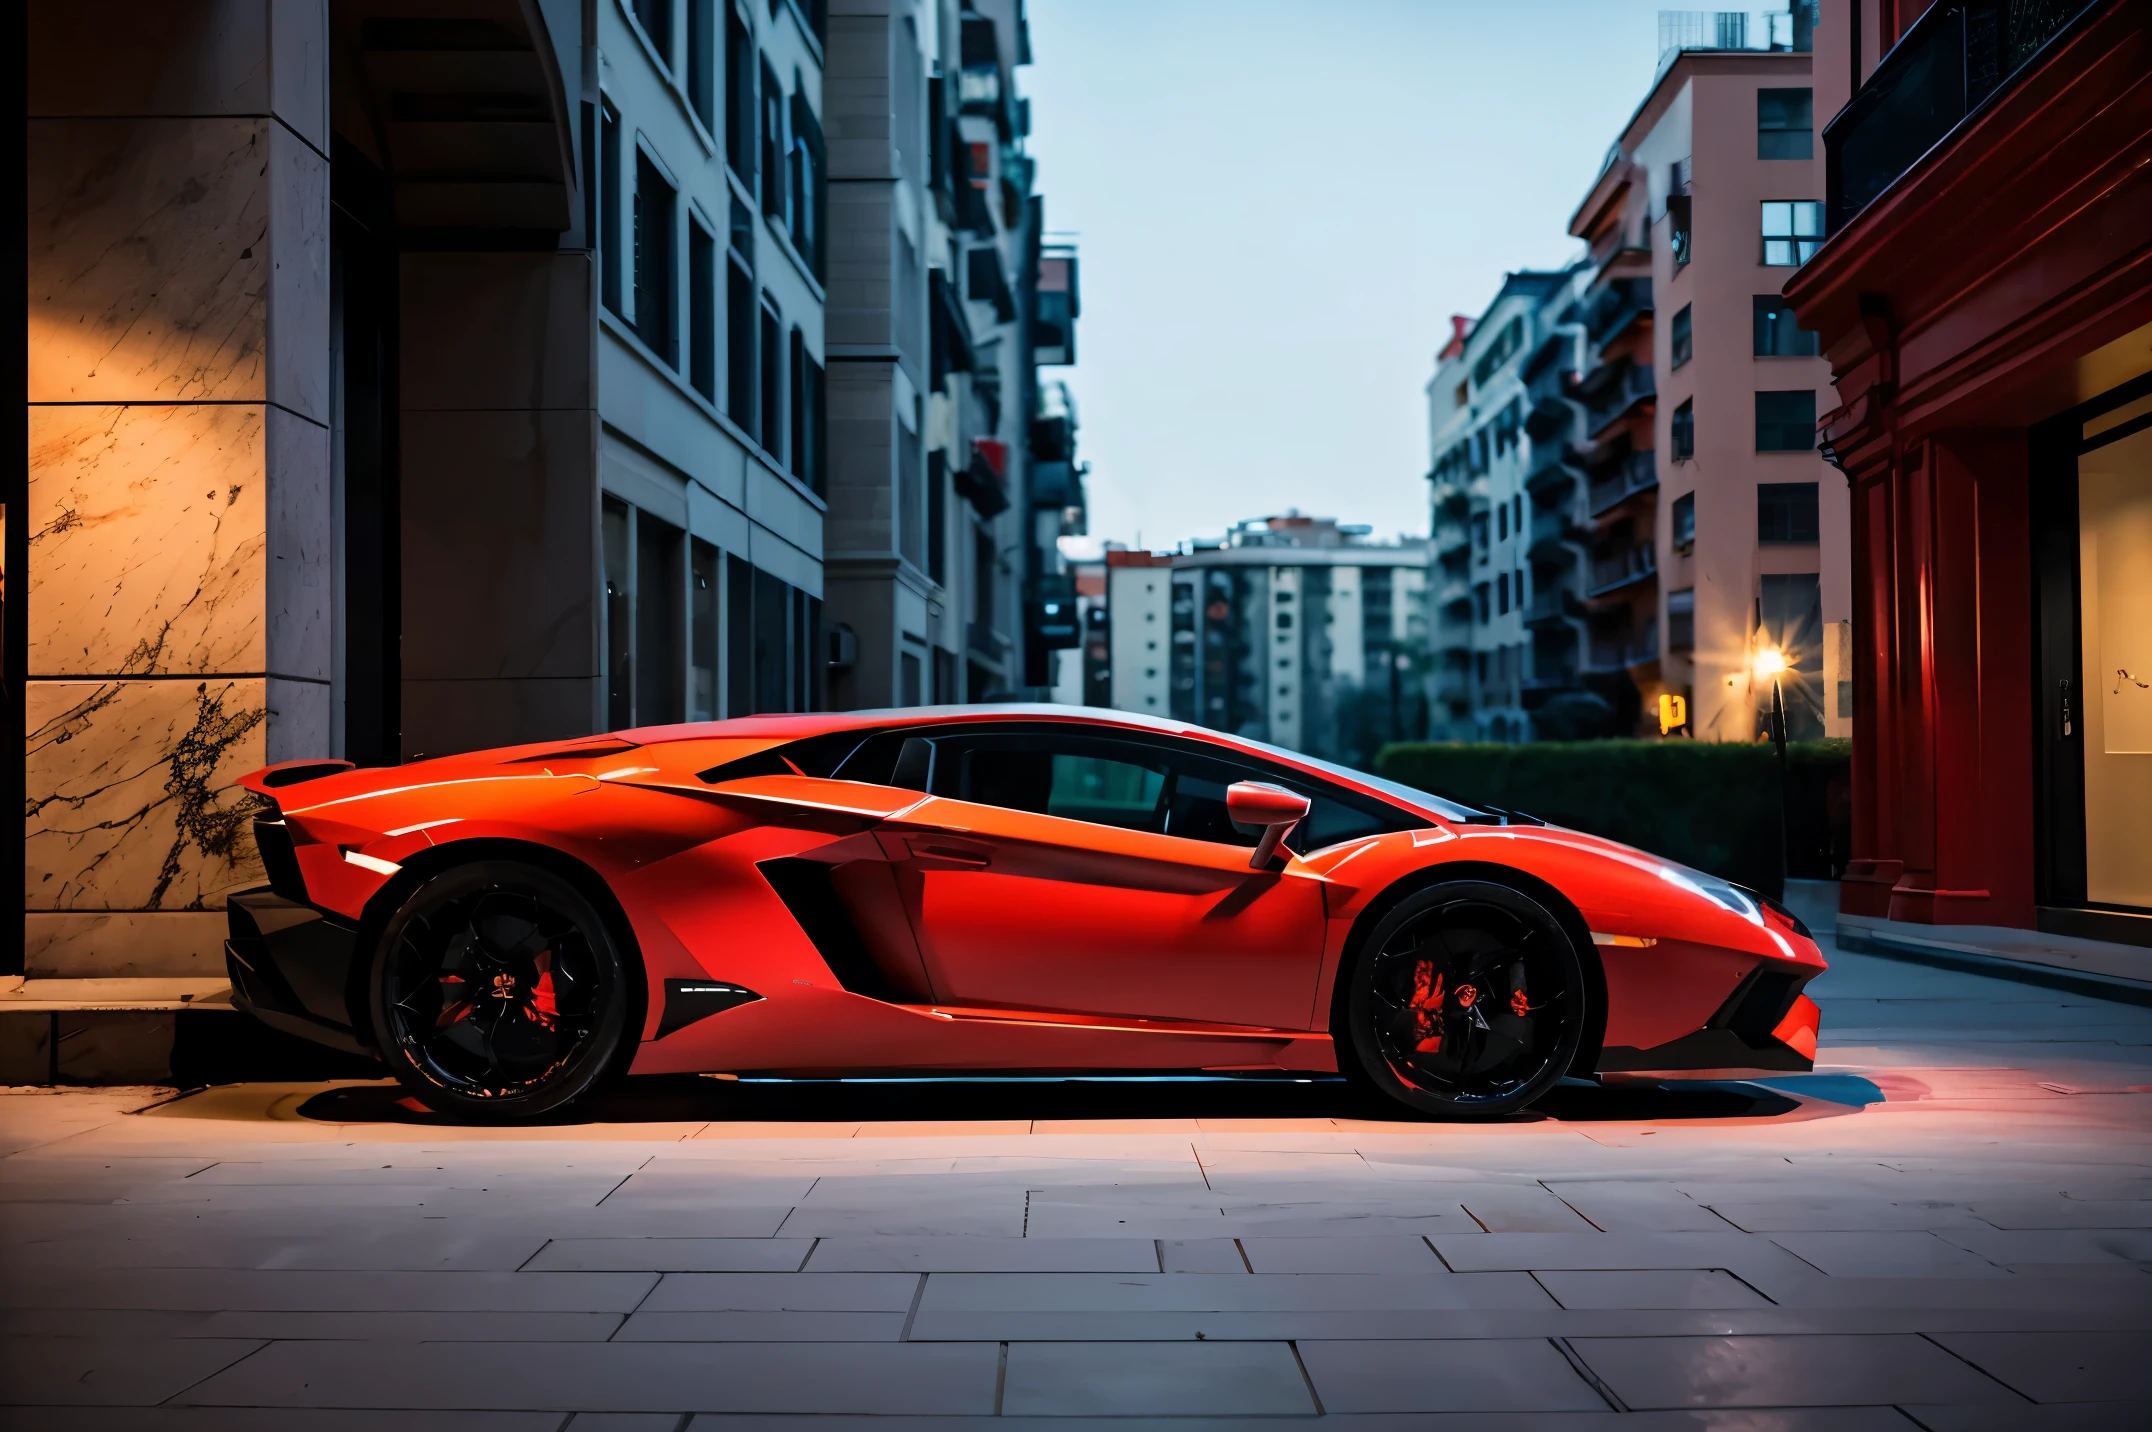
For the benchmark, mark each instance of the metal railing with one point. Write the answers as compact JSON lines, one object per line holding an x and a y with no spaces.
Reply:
{"x":1638,"y":472}
{"x":1631,"y":384}
{"x":1612,"y":572}
{"x":1957,"y":56}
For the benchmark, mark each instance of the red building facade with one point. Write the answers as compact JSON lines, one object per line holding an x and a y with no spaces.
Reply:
{"x":1985,"y":301}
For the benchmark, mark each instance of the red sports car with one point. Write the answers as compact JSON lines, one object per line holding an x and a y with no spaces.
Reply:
{"x":1004,"y":888}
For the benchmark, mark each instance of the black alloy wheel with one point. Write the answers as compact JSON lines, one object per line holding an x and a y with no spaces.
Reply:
{"x":499,"y":993}
{"x":1467,"y":1001}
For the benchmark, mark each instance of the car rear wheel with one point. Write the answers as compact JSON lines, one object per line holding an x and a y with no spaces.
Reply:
{"x":1467,"y":1001}
{"x":499,"y":993}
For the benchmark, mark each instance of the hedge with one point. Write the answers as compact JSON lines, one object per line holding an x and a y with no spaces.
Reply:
{"x":1713,"y":805}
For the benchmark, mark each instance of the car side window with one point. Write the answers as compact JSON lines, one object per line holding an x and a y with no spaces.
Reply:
{"x":1075,"y":778}
{"x":1196,"y":806}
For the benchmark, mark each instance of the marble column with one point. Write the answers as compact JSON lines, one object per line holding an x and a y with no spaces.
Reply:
{"x":179,"y":497}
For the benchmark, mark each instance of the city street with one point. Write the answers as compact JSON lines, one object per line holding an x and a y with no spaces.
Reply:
{"x":1948,"y":1225}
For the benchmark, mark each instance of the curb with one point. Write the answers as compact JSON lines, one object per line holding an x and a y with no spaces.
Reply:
{"x":2106,"y":987}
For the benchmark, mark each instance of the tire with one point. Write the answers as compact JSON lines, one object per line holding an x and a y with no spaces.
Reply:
{"x":499,"y":993}
{"x":1467,"y":1001}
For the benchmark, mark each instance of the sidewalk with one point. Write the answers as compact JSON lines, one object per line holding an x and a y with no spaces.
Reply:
{"x":2089,"y":967}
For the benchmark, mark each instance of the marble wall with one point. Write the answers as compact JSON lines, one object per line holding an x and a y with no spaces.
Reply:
{"x":179,"y":577}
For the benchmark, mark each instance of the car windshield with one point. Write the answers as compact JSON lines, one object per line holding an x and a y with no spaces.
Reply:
{"x":1448,"y":809}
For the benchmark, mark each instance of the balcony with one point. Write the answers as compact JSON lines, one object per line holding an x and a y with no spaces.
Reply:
{"x":1549,"y":478}
{"x":1614,"y":392}
{"x":1553,"y":608}
{"x":1451,"y":538}
{"x":1638,"y":472}
{"x":1553,"y":533}
{"x":1617,"y":571}
{"x":1610,"y":312}
{"x":1953,"y":62}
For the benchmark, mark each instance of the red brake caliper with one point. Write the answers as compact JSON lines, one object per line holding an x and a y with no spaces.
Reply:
{"x":1426,"y":1007}
{"x":542,"y":992}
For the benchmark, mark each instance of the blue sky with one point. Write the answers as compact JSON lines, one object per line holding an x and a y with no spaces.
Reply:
{"x":1278,"y":204}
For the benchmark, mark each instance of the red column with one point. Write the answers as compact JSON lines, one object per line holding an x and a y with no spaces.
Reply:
{"x":1871,"y":870}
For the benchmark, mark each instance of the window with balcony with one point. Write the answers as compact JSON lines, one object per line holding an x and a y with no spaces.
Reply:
{"x":656,"y":212}
{"x":1786,"y":513}
{"x":1778,"y":333}
{"x":1684,"y":341}
{"x":1684,"y":514}
{"x":1681,"y":620}
{"x":1786,"y":420}
{"x":1683,"y":432}
{"x":1792,"y":232}
{"x":1785,"y":124}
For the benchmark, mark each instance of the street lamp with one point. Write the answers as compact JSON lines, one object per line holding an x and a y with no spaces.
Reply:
{"x":1771,"y":662}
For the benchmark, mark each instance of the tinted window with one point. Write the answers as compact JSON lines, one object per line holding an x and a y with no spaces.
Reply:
{"x":1076,"y":778}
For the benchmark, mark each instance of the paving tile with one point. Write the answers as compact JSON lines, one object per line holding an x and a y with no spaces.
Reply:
{"x":2061,"y":1212}
{"x":947,"y":1379}
{"x":2016,"y":1417}
{"x":623,"y":1422}
{"x":1476,"y":1376}
{"x":1640,"y":1207}
{"x":283,"y":1290}
{"x":2056,"y":1245}
{"x":1159,"y":1292}
{"x":406,"y":1250}
{"x":278,"y":1419}
{"x":1200,"y":1255}
{"x":1811,"y":1371}
{"x":2061,"y":1367}
{"x":1882,"y":1255}
{"x":985,"y":1255}
{"x":806,"y":1292}
{"x":764,"y":1325}
{"x":672,"y":1255}
{"x":1651,"y":1288}
{"x":106,"y":1370}
{"x":1392,"y":1255}
{"x":1515,"y":1209}
{"x":1158,"y":1379}
{"x":1603,"y":1250}
{"x":1840,"y":1213}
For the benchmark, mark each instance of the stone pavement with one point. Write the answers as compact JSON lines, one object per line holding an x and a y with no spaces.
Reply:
{"x":1948,"y":1226}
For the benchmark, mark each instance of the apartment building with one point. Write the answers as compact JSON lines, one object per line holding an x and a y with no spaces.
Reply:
{"x":402,"y":378}
{"x":1492,"y":666}
{"x":1716,"y":530}
{"x":1292,"y":629}
{"x":941,"y":443}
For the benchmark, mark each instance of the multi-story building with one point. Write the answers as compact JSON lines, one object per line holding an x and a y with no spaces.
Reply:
{"x":402,"y":378}
{"x":935,"y":337}
{"x":1482,"y":682}
{"x":1716,"y":530}
{"x":1293,"y":630}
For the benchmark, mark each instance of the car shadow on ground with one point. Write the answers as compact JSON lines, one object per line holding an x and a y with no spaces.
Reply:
{"x":682,"y":1099}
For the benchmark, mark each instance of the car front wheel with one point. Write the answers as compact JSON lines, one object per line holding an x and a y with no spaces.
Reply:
{"x":1467,"y":1001}
{"x":499,"y":993}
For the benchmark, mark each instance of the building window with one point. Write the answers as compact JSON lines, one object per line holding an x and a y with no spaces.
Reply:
{"x":702,"y":60}
{"x":1679,"y":210}
{"x":983,"y":568}
{"x":1684,"y":338}
{"x":1501,"y":594}
{"x":938,"y":519}
{"x":740,"y":345}
{"x":770,"y":430}
{"x":619,"y":618}
{"x":1786,"y":513}
{"x":1501,"y":523}
{"x":1785,"y":124}
{"x":609,"y":251}
{"x":1681,"y":620}
{"x":1684,"y":431}
{"x":1792,"y":232}
{"x":739,"y":637}
{"x":739,"y":99}
{"x":1482,"y":602}
{"x":1685,"y":522}
{"x":655,"y":16}
{"x":659,"y":586}
{"x":702,"y":310}
{"x":1786,"y":420}
{"x":805,"y":377}
{"x":655,"y":215}
{"x":702,"y":632}
{"x":809,"y":183}
{"x":773,"y":146}
{"x":1778,"y":333}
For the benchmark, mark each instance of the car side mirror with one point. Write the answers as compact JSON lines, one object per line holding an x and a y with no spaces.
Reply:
{"x":1274,"y":808}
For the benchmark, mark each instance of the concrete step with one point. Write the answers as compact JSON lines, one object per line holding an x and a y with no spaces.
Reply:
{"x":179,"y":1032}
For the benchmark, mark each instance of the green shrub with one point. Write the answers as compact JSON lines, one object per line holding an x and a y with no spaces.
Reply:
{"x":1710,"y":804}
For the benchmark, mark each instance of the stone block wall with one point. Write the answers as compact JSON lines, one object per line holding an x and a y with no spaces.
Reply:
{"x":179,"y":580}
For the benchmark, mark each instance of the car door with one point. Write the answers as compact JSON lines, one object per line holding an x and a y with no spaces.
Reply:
{"x":1047,"y":872}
